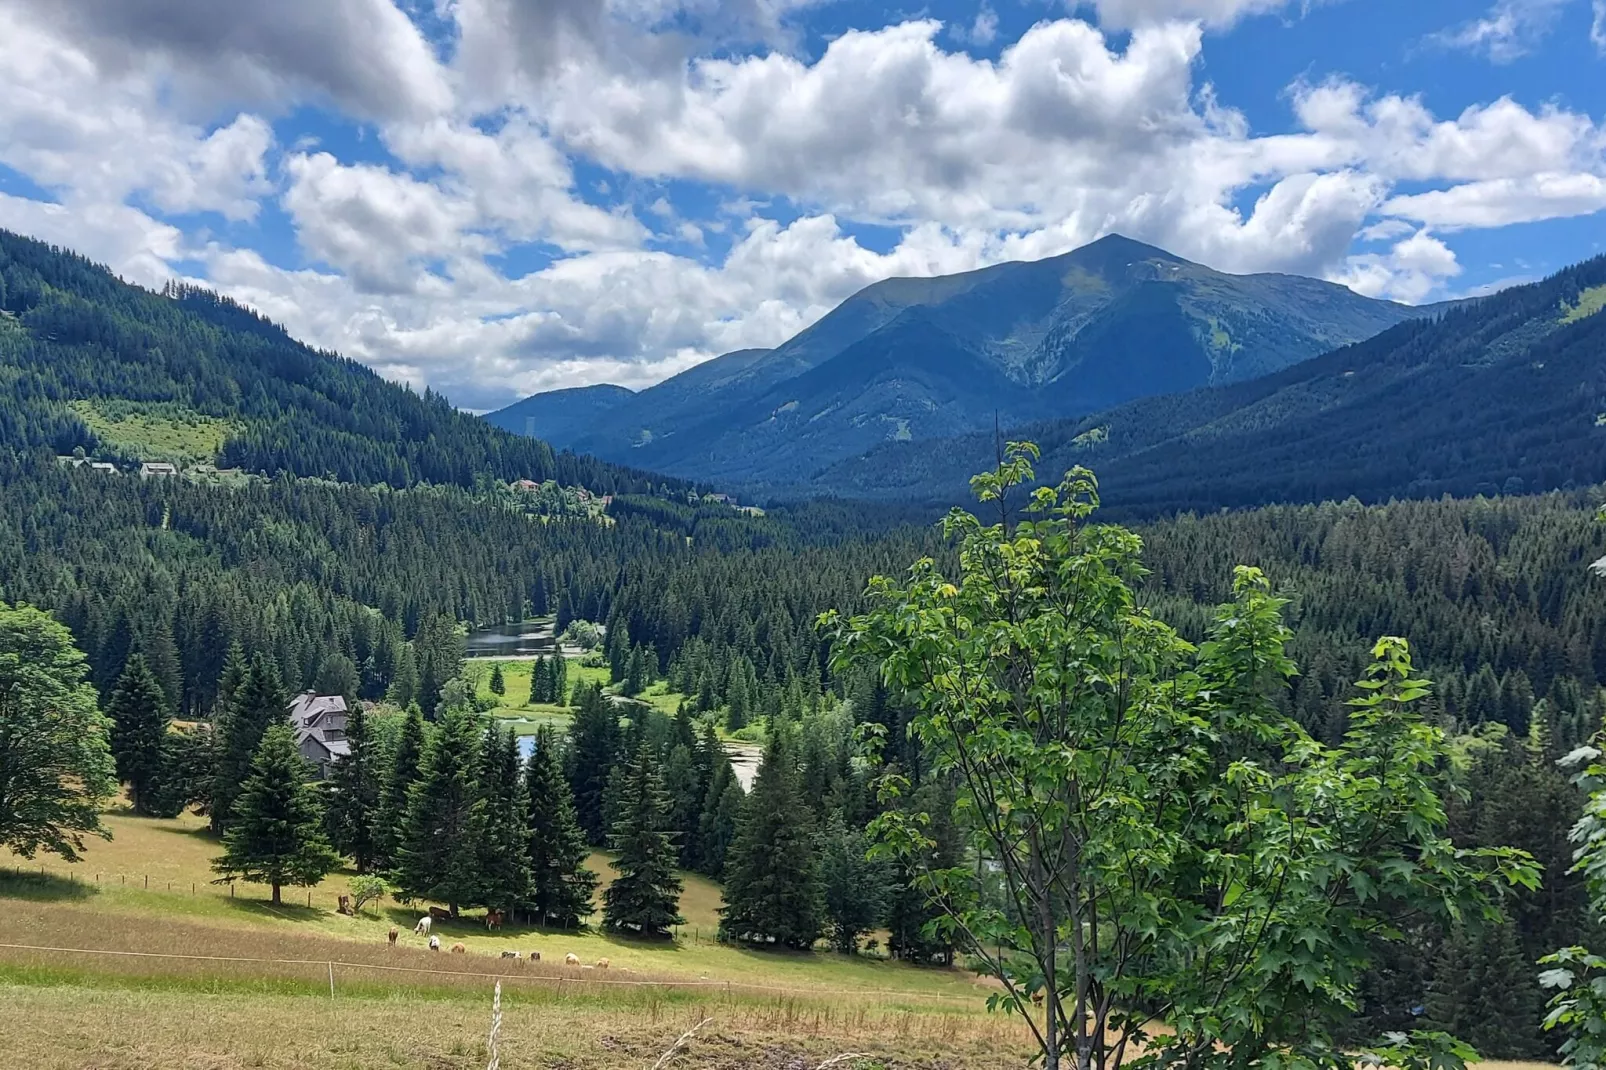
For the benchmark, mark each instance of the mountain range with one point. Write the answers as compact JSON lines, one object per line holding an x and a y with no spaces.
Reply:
{"x":908,"y":360}
{"x":1505,"y":394}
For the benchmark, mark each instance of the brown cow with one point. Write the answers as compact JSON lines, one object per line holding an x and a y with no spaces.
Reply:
{"x":571,"y":959}
{"x":440,"y":913}
{"x":345,"y":905}
{"x":534,"y":956}
{"x":458,"y":949}
{"x":602,"y":964}
{"x":493,"y":919}
{"x":394,"y":932}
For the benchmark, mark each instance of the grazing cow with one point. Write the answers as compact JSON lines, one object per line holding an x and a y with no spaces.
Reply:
{"x":602,"y":964}
{"x":394,"y":932}
{"x":458,"y":948}
{"x":440,"y":913}
{"x":422,"y":928}
{"x":1037,"y":997}
{"x":510,"y":954}
{"x":571,"y":959}
{"x":493,"y":919}
{"x":434,"y":943}
{"x":345,"y":905}
{"x":533,"y":956}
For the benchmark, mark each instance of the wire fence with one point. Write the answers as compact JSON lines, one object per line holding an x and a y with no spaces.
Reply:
{"x":325,"y":898}
{"x":567,"y":976}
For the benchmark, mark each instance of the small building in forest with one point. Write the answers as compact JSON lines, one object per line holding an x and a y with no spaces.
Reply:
{"x":319,"y":723}
{"x":149,"y":469}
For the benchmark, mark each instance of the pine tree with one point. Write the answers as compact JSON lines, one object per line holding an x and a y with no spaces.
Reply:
{"x":645,"y":896}
{"x":685,"y":801}
{"x":1485,"y":992}
{"x":235,"y":666}
{"x":504,"y":868}
{"x":910,"y":911}
{"x":738,"y":699}
{"x":354,"y":802}
{"x":400,"y":775}
{"x":138,"y":711}
{"x":275,"y":832}
{"x":561,"y":886}
{"x":716,"y":826}
{"x":593,"y":751}
{"x":438,"y":647}
{"x":560,"y":679}
{"x":854,"y":888}
{"x":439,"y":856}
{"x":256,"y":705}
{"x":498,"y":682}
{"x":635,"y":673}
{"x":772,"y":886}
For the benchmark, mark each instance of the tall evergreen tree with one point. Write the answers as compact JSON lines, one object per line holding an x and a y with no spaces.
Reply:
{"x":716,"y":826}
{"x":592,"y":753}
{"x":1486,"y":992}
{"x":256,"y":705}
{"x":910,"y":912}
{"x":504,"y":867}
{"x":498,"y":681}
{"x":139,"y":715}
{"x":644,"y":898}
{"x":560,"y":679}
{"x":439,"y":857}
{"x":685,"y":801}
{"x":561,"y":887}
{"x":235,"y":666}
{"x":854,"y":888}
{"x":772,"y":884}
{"x":355,"y":788}
{"x":400,"y":775}
{"x":438,"y":647}
{"x":275,"y":832}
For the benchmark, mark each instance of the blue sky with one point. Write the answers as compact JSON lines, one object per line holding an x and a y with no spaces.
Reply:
{"x":495,"y":197}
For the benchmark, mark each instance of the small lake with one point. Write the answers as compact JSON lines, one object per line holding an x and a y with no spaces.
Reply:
{"x":744,"y":758}
{"x":530,"y":639}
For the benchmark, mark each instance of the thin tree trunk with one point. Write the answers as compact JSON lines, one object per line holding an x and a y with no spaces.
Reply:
{"x":275,"y":895}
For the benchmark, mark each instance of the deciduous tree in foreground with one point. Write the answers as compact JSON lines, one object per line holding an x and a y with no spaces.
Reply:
{"x":56,"y":767}
{"x":1153,"y":844}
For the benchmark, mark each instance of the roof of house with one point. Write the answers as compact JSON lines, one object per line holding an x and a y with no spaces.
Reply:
{"x":322,"y":720}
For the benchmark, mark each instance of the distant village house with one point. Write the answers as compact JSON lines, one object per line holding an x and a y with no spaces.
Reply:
{"x":149,"y":469}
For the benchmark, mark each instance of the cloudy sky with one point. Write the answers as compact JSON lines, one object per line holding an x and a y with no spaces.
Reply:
{"x":496,"y":197}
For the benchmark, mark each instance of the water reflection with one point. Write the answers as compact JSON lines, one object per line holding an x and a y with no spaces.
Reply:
{"x":532,"y":638}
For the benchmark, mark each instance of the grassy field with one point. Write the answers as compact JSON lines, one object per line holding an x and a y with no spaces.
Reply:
{"x":155,"y":432}
{"x":259,"y":995}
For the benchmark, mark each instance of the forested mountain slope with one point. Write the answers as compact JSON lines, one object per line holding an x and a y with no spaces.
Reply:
{"x":87,"y":360}
{"x":913,"y":359}
{"x":560,"y":415}
{"x":1505,"y":394}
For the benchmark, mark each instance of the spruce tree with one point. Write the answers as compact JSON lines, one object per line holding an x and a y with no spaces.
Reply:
{"x":738,"y":699}
{"x":138,"y":711}
{"x":645,"y":896}
{"x":256,"y":705}
{"x":1485,"y":991}
{"x":772,"y":886}
{"x":354,"y":800}
{"x":275,"y":831}
{"x":439,"y":857}
{"x":559,"y":674}
{"x":561,"y":886}
{"x":685,"y":801}
{"x":399,"y":777}
{"x":636,"y":677}
{"x":235,"y":666}
{"x":716,"y":827}
{"x":593,"y":751}
{"x":498,"y":682}
{"x":854,"y":888}
{"x":504,"y":868}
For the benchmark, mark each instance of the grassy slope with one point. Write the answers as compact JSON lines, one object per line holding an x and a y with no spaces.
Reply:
{"x":82,"y":1010}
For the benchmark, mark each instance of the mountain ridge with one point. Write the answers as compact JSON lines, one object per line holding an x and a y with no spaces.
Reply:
{"x":1503,"y":394}
{"x":924,"y":358}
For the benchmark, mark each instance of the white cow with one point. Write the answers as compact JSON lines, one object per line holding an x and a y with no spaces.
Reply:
{"x":434,"y":943}
{"x":422,"y":928}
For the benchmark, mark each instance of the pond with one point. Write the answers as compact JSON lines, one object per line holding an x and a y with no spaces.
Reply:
{"x":530,"y":639}
{"x":744,"y":758}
